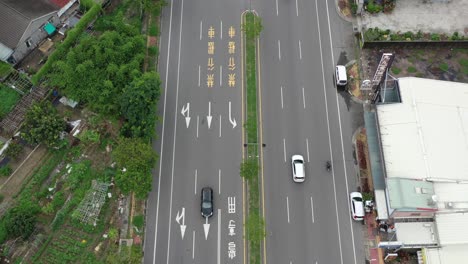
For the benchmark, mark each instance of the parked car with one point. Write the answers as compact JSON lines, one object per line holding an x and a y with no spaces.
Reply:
{"x":357,"y":206}
{"x":207,"y":202}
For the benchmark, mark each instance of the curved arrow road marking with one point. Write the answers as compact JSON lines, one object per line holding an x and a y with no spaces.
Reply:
{"x":232,"y":120}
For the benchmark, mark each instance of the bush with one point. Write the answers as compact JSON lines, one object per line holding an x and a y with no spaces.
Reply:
{"x":354,"y":8}
{"x":411,"y":69}
{"x":419,"y":35}
{"x":435,"y":36}
{"x":20,"y":221}
{"x":5,"y":170}
{"x":373,"y":8}
{"x":444,"y":66}
{"x":138,"y":221}
{"x":89,"y":137}
{"x":154,"y":30}
{"x":13,"y":150}
{"x":58,"y":201}
{"x":153,"y":51}
{"x":396,"y":70}
{"x":408,"y":35}
{"x":372,"y":34}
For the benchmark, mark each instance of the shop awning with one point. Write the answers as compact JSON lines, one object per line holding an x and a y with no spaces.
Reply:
{"x":49,"y":28}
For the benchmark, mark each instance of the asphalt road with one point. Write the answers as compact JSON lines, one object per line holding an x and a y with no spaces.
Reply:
{"x":200,"y":141}
{"x":303,"y":113}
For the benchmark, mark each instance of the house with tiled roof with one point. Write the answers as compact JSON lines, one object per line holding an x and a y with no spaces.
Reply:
{"x":25,"y":23}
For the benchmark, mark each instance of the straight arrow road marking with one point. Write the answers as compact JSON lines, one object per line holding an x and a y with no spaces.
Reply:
{"x":206,"y":228}
{"x":186,"y":109}
{"x":182,"y":226}
{"x":209,"y":117}
{"x":233,"y":121}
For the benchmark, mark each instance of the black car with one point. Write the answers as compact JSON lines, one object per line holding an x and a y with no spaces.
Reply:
{"x":207,"y":202}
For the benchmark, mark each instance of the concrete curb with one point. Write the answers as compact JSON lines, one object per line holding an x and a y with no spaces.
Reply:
{"x":338,"y":10}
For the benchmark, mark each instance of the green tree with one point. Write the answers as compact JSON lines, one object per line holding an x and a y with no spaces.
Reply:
{"x":20,"y":221}
{"x":42,"y":124}
{"x":135,"y":158}
{"x":249,"y":168}
{"x":252,"y":25}
{"x":138,"y":105}
{"x":13,"y":150}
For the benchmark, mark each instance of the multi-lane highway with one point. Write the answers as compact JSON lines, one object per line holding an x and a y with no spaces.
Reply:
{"x":200,"y":135}
{"x":200,"y":140}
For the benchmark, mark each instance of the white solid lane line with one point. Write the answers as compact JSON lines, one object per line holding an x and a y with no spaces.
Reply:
{"x":196,"y":175}
{"x":303,"y":97}
{"x":300,"y":50}
{"x":219,"y":125}
{"x":297,"y":9}
{"x":312,"y":209}
{"x":219,"y":181}
{"x":307,"y":146}
{"x":276,"y":7}
{"x":281,"y":97}
{"x":287,"y":207}
{"x":175,"y":133}
{"x":284,"y":149}
{"x":201,"y":29}
{"x":219,"y":236}
{"x":162,"y":134}
{"x":193,"y":245}
{"x":198,"y":121}
{"x":279,"y":50}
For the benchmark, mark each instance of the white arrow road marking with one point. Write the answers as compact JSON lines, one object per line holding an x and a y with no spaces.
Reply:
{"x":233,"y":121}
{"x":206,"y":228}
{"x":182,"y":226}
{"x":186,"y":109}
{"x":209,"y":117}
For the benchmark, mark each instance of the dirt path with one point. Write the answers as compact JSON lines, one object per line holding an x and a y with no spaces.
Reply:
{"x":13,"y":185}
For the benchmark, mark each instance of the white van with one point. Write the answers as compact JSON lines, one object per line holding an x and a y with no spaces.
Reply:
{"x":340,"y":75}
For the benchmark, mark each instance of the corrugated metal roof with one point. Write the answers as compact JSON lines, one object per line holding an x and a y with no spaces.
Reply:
{"x":452,"y":229}
{"x":373,"y":143}
{"x":426,"y":136}
{"x":15,"y":17}
{"x":446,"y":255}
{"x":410,"y":194}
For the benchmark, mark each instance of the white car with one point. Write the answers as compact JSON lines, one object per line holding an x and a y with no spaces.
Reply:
{"x":297,"y":162}
{"x":357,"y":206}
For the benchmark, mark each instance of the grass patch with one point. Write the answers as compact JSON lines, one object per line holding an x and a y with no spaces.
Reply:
{"x":255,"y":224}
{"x":444,"y":66}
{"x":396,"y":70}
{"x":154,"y":30}
{"x":153,"y":51}
{"x":464,"y":66}
{"x":5,"y":69}
{"x":411,"y":69}
{"x":9,"y":98}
